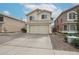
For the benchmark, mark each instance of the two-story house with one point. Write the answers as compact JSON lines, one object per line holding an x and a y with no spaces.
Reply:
{"x":10,"y":24}
{"x":66,"y":21}
{"x":39,"y":22}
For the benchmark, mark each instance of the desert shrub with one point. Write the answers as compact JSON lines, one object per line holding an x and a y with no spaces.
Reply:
{"x":23,"y":30}
{"x":75,"y":42}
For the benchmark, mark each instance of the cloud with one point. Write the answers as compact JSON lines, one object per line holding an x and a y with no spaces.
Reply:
{"x":56,"y":13}
{"x":51,"y":7}
{"x":74,"y":4}
{"x":24,"y":19}
{"x":6,"y":12}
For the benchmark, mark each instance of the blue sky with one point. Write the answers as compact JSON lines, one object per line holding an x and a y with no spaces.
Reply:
{"x":19,"y":10}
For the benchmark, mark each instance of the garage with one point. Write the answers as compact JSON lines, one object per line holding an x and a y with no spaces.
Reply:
{"x":39,"y":29}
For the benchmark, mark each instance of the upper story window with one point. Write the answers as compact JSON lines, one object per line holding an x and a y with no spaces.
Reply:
{"x":1,"y":18}
{"x":31,"y":18}
{"x":72,"y":27}
{"x":72,"y":16}
{"x":61,"y":20}
{"x":44,"y":16}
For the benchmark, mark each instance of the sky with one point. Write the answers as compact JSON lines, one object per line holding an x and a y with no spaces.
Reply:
{"x":19,"y":10}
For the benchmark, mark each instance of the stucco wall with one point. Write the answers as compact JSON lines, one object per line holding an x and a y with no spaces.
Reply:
{"x":12,"y":25}
{"x":45,"y":13}
{"x":33,"y":14}
{"x":37,"y":15}
{"x":62,"y":22}
{"x":64,"y":19}
{"x":38,"y":22}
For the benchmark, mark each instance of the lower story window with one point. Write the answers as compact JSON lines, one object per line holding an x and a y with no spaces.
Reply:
{"x":65,"y":27}
{"x":72,"y":27}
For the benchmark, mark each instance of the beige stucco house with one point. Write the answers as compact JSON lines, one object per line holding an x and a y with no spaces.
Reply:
{"x":10,"y":24}
{"x":39,"y":21}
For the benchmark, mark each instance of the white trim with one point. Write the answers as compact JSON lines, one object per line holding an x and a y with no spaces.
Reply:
{"x":70,"y":27}
{"x":68,"y":16}
{"x":68,"y":31}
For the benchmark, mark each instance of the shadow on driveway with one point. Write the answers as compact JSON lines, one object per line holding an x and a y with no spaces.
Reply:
{"x":5,"y":37}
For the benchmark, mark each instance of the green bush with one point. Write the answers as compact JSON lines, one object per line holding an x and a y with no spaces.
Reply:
{"x":75,"y":42}
{"x":23,"y":30}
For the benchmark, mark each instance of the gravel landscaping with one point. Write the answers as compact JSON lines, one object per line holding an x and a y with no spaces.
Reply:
{"x":58,"y":43}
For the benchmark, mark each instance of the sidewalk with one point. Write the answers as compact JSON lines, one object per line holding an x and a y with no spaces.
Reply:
{"x":15,"y":50}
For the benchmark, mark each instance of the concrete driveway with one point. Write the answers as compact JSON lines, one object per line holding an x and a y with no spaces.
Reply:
{"x":28,"y":44}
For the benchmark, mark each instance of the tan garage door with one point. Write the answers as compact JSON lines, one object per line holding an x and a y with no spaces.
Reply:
{"x":39,"y":29}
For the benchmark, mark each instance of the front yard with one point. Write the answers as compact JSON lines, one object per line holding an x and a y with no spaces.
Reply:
{"x":58,"y":43}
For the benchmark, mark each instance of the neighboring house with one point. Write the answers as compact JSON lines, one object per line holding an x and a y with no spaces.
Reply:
{"x":66,"y":21}
{"x":39,"y":21}
{"x":10,"y":24}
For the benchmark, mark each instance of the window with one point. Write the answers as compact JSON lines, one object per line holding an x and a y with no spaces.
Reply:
{"x":61,"y":20}
{"x":65,"y":27}
{"x":72,"y":27}
{"x":44,"y":16}
{"x":31,"y":17}
{"x":1,"y":18}
{"x":72,"y":16}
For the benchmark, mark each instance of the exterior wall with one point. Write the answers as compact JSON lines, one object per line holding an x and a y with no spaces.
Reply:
{"x":28,"y":28}
{"x":65,"y":20}
{"x":38,"y":22}
{"x":71,"y":20}
{"x":12,"y":25}
{"x":0,"y":27}
{"x":37,"y":15}
{"x":50,"y":29}
{"x":60,"y":23}
{"x":33,"y":14}
{"x":46,"y":13}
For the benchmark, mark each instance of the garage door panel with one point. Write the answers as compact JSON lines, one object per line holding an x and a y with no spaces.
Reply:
{"x":39,"y":29}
